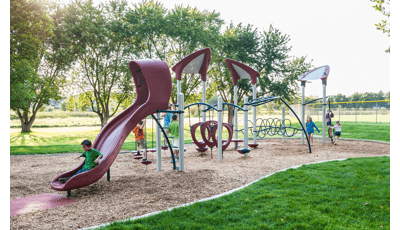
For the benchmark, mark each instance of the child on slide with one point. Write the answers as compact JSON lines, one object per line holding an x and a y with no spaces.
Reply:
{"x":92,"y":159}
{"x":310,"y":125}
{"x":338,"y":131}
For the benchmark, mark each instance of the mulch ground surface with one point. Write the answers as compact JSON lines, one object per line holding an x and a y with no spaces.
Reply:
{"x":135,"y":191}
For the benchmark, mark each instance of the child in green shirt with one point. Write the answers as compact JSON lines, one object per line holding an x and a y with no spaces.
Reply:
{"x":92,"y":159}
{"x":174,"y":130}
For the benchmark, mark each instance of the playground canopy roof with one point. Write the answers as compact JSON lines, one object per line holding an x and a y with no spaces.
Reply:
{"x":241,"y":71}
{"x":196,"y":62}
{"x":315,"y":74}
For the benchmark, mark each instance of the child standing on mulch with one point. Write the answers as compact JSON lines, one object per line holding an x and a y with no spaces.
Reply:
{"x":167,"y":121}
{"x":92,"y":159}
{"x":310,"y":125}
{"x":174,"y":130}
{"x":338,"y":131}
{"x":139,"y":136}
{"x":329,"y":115}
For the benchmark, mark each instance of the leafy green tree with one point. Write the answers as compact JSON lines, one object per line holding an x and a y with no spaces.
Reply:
{"x":128,"y":101}
{"x":83,"y":103}
{"x":383,"y":25}
{"x":39,"y":56}
{"x":63,"y":106}
{"x":43,"y":108}
{"x":172,"y":35}
{"x":266,"y":52}
{"x":70,"y":104}
{"x":103,"y":55}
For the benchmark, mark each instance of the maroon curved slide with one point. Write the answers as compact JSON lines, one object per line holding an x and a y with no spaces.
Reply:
{"x":153,"y":88}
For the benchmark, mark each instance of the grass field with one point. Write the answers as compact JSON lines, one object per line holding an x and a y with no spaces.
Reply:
{"x":58,"y":118}
{"x":50,"y":140}
{"x":350,"y":194}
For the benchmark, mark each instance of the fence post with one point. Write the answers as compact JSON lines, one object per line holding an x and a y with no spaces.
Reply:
{"x":356,"y":112}
{"x":376,"y":112}
{"x":339,"y":113}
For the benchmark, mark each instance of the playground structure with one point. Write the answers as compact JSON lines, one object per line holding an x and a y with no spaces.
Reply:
{"x":315,"y":74}
{"x":154,"y":86}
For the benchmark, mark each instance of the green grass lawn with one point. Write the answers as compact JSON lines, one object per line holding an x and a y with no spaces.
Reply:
{"x":350,"y":194}
{"x":69,"y":142}
{"x":360,"y":130}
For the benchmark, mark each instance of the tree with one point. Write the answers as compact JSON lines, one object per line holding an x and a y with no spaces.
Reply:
{"x":39,"y":57}
{"x":383,"y":25}
{"x":128,"y":101}
{"x":83,"y":103}
{"x":171,"y":35}
{"x":63,"y":106}
{"x":70,"y":104}
{"x":103,"y":55}
{"x":266,"y":52}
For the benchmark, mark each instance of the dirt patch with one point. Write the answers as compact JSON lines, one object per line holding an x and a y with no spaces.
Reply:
{"x":133,"y":191}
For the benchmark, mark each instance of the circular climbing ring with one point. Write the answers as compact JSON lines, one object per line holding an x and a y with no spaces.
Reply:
{"x":206,"y":126}
{"x":215,"y":139}
{"x":193,"y":134}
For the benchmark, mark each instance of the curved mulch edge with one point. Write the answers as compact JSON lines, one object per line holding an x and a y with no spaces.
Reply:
{"x":231,"y":191}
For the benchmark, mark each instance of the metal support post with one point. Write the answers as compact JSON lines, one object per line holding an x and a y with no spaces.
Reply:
{"x":235,"y":115}
{"x":220,"y":128}
{"x":204,"y":101}
{"x":356,"y":112}
{"x":254,"y":115}
{"x":323,"y":109}
{"x":303,"y":86}
{"x":181,"y":133}
{"x":108,"y":175}
{"x":246,"y":128}
{"x":376,"y":112}
{"x":158,"y":143}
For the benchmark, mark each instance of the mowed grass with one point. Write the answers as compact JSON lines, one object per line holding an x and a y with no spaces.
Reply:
{"x":359,"y":130}
{"x":69,"y":142}
{"x":349,"y":194}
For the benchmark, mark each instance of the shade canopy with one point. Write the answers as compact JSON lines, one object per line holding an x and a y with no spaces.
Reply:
{"x":194,"y":63}
{"x":241,"y":71}
{"x":315,"y":74}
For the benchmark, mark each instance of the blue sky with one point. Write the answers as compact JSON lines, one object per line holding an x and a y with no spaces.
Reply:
{"x":337,"y":33}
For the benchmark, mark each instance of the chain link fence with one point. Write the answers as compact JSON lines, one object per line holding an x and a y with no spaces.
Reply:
{"x":359,"y":111}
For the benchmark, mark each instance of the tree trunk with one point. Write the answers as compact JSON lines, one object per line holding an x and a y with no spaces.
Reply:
{"x":103,"y":119}
{"x":26,"y":127}
{"x":26,"y":122}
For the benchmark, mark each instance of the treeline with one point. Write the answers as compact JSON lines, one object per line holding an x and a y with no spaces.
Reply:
{"x":356,"y":97}
{"x":367,"y":96}
{"x":86,"y":48}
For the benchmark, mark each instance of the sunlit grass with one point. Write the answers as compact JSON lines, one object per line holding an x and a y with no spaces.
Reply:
{"x":350,"y":194}
{"x":69,"y":142}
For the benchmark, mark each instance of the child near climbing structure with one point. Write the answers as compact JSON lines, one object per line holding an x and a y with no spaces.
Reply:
{"x":338,"y":131}
{"x":310,"y":125}
{"x":174,"y":130}
{"x":139,"y":136}
{"x":329,"y":115}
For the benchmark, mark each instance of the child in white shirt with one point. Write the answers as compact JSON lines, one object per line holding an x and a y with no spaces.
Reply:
{"x":338,"y":131}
